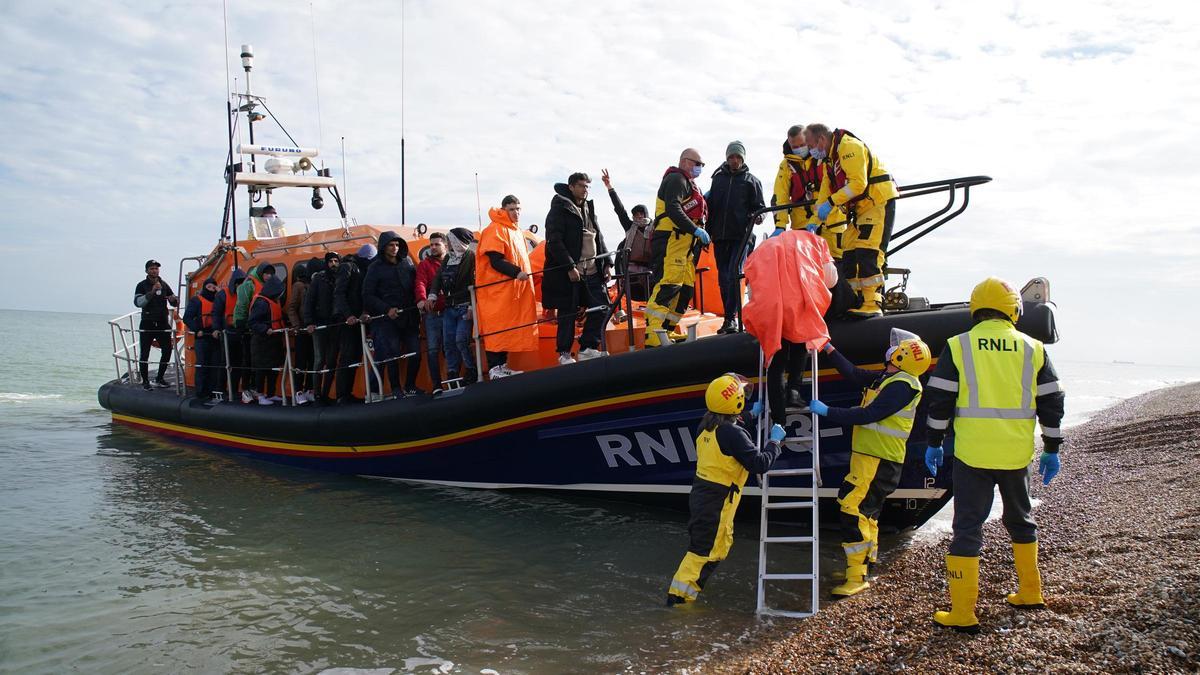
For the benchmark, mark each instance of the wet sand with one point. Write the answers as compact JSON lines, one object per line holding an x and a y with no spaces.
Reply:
{"x":1120,"y":559}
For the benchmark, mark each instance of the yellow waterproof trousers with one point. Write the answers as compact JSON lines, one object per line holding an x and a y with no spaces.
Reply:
{"x":864,"y":257}
{"x":675,"y":288}
{"x":861,"y":499}
{"x":710,"y":532}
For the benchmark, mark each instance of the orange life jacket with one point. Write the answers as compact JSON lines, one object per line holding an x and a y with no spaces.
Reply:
{"x":276,"y":313}
{"x":206,"y":308}
{"x":230,"y":304}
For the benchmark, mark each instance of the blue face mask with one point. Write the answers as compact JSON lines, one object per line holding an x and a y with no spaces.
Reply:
{"x":817,"y":153}
{"x":801,"y":152}
{"x":696,"y":171}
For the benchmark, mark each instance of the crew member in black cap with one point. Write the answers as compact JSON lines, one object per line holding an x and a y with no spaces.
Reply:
{"x":153,"y":295}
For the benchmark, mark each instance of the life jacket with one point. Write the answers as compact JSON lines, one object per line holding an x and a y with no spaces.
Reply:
{"x":230,"y":304}
{"x":717,"y":467}
{"x":276,"y":313}
{"x":837,"y":176}
{"x":206,"y":308}
{"x":995,"y":413}
{"x":805,"y":179}
{"x":694,"y":206}
{"x":888,"y":438}
{"x":637,"y":242}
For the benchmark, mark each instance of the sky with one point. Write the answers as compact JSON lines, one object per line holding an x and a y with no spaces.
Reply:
{"x":1082,"y":113}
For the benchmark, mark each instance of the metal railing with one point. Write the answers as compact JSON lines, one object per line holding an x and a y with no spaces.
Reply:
{"x":127,"y":342}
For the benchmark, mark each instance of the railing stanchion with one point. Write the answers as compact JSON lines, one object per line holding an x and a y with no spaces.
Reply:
{"x":116,"y":359}
{"x":228,"y":368}
{"x":629,"y":304}
{"x":479,"y":362}
{"x":362,"y":336}
{"x":180,"y":385}
{"x":287,"y":364}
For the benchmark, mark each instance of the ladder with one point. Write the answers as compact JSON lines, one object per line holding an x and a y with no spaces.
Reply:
{"x":806,"y":501}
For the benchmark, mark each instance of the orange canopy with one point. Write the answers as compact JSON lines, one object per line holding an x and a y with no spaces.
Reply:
{"x":509,"y":303}
{"x":788,"y":297}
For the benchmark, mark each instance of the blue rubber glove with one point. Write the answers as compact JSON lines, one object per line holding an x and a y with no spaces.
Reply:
{"x":756,"y":409}
{"x":811,"y":227}
{"x":778,"y":231}
{"x":777,"y":433}
{"x":824,"y":209}
{"x":818,"y":407}
{"x":933,"y":459}
{"x":1049,"y":466}
{"x":702,"y":235}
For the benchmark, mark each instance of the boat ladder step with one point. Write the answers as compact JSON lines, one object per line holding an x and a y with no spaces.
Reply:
{"x":789,"y":505}
{"x":774,"y":473}
{"x":788,"y":577}
{"x":788,"y":540}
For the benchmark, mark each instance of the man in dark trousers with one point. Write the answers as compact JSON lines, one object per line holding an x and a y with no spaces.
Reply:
{"x":389,"y":289}
{"x":153,"y":295}
{"x":318,"y":311}
{"x":348,"y":308}
{"x":734,"y":196}
{"x":205,"y":318}
{"x":575,"y":276}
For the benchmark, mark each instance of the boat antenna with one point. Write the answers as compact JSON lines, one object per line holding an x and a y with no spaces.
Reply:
{"x":403,"y":218}
{"x":316,"y":79}
{"x":231,"y":196}
{"x":478,"y":204}
{"x":345,"y":177}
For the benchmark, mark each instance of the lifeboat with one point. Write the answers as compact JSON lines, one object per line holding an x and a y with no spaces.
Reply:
{"x":622,"y":425}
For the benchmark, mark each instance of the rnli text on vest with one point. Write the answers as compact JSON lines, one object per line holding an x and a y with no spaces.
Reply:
{"x":997,"y":345}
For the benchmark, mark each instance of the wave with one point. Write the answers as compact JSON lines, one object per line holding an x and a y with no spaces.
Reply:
{"x":14,"y":397}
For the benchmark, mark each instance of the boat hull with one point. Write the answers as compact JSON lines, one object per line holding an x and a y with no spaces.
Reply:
{"x":622,"y":425}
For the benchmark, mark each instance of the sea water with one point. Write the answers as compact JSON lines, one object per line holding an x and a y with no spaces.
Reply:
{"x":122,"y":552}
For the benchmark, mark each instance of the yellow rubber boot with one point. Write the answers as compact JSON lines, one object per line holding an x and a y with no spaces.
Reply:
{"x":856,"y":572}
{"x":1029,"y":579}
{"x":962,"y":573}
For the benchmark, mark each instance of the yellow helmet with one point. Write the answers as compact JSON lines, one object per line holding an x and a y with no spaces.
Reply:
{"x":912,"y":356}
{"x":997,"y":294}
{"x":726,"y":395}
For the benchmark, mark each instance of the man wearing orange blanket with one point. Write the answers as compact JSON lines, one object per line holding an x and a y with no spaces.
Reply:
{"x":507,"y":304}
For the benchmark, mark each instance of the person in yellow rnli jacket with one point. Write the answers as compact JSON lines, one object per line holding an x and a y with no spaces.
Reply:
{"x":679,"y":216}
{"x":725,"y":458}
{"x":882,"y":423}
{"x":861,"y":187}
{"x":993,"y":383}
{"x":801,"y":178}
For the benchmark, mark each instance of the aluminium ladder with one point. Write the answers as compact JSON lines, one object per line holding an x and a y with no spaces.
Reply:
{"x":806,"y":501}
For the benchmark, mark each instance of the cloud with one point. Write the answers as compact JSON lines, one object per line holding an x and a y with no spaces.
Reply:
{"x":115,"y":129}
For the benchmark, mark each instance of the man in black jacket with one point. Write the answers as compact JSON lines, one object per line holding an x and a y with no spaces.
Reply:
{"x":734,"y":196}
{"x":575,"y":277}
{"x":153,"y":295}
{"x":388,"y":289}
{"x":348,"y":308}
{"x":318,"y":311}
{"x":205,"y":318}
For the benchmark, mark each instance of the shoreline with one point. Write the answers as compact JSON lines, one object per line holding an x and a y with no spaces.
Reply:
{"x":1119,"y":533}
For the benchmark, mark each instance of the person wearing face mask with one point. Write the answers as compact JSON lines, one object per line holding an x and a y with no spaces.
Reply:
{"x":680,"y":214}
{"x":802,"y":178}
{"x":861,"y":187}
{"x":205,"y":318}
{"x":639,"y":233}
{"x":735,"y":195}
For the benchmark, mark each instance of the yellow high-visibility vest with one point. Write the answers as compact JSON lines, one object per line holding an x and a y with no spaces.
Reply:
{"x":888,"y":438}
{"x":996,"y":410}
{"x":715,"y":466}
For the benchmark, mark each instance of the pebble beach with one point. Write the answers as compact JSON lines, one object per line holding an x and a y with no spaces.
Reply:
{"x":1119,"y":533}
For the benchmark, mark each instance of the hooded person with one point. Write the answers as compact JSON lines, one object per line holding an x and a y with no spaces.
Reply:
{"x":205,"y":320}
{"x":246,"y":293}
{"x":734,"y":197}
{"x":575,"y":275}
{"x":504,"y":290}
{"x":348,"y":310}
{"x":453,"y":285}
{"x":388,"y":293}
{"x":317,"y":316}
{"x":266,"y":342}
{"x":301,"y":278}
{"x":232,"y":339}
